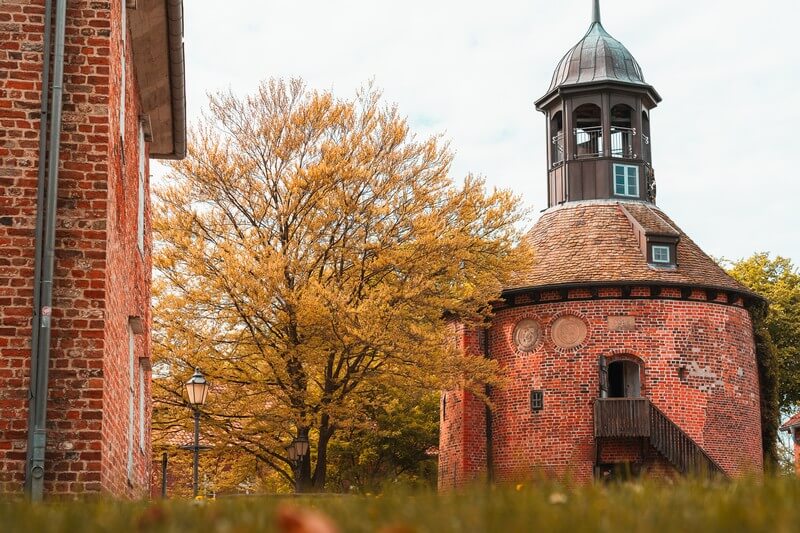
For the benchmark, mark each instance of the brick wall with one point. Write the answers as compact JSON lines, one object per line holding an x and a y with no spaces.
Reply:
{"x":699,"y":367}
{"x":101,"y":279}
{"x":462,"y":419}
{"x":632,"y":451}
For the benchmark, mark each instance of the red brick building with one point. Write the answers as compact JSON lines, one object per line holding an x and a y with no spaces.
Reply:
{"x":792,"y":426}
{"x":624,"y":347}
{"x":122,"y":102}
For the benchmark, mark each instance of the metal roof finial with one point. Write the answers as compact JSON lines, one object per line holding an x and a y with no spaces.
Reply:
{"x":596,"y":12}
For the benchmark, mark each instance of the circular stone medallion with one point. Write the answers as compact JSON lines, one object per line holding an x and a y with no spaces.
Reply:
{"x":527,"y":334}
{"x":569,"y":331}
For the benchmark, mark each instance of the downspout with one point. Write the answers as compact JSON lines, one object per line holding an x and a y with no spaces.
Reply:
{"x":37,"y":269}
{"x":488,"y":411}
{"x":42,"y":315}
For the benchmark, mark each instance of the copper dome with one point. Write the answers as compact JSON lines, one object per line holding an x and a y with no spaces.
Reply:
{"x":597,"y":57}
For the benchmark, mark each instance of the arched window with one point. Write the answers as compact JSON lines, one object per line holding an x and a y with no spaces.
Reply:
{"x":588,"y":131}
{"x":646,"y":136}
{"x":557,"y":137}
{"x":622,"y":131}
{"x":624,"y":379}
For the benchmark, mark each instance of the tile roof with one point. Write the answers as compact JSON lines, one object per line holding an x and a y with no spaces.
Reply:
{"x":792,"y":422}
{"x":650,"y":220}
{"x":594,"y":241}
{"x":176,"y":437}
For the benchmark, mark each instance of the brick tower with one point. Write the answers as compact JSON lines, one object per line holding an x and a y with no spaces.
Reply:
{"x":624,"y":347}
{"x":89,"y":91}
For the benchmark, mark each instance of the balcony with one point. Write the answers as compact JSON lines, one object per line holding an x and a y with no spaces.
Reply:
{"x":558,"y":149}
{"x":646,"y":148}
{"x":589,"y":142}
{"x":622,"y":142}
{"x":622,"y":417}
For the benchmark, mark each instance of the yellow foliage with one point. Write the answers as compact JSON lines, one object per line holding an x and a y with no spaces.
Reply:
{"x":309,"y":252}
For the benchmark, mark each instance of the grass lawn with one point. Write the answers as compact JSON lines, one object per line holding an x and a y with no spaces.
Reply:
{"x":688,"y":506}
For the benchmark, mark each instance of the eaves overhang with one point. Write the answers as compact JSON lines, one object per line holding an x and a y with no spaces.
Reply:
{"x":653,"y":98}
{"x":749,"y":299}
{"x":791,"y":424}
{"x":158,"y":56}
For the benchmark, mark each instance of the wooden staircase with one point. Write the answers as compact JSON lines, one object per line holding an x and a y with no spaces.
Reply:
{"x":638,"y":417}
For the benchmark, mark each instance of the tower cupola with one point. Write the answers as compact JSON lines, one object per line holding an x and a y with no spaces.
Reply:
{"x":598,"y":118}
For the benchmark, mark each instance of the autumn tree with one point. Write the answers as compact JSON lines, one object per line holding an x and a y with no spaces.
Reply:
{"x":310,"y":251}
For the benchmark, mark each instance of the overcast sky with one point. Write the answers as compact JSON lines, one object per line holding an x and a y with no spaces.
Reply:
{"x":726,"y":138}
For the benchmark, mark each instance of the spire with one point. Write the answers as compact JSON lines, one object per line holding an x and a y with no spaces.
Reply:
{"x":596,"y":12}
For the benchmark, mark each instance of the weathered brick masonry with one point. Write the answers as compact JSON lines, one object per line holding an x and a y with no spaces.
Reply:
{"x":102,"y":278}
{"x":462,"y":447}
{"x":680,"y":347}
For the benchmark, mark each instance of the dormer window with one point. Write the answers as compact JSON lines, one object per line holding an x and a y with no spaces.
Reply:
{"x":626,"y":181}
{"x":661,"y":254}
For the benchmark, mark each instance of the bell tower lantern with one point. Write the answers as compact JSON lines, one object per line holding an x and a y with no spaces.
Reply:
{"x":598,"y":123}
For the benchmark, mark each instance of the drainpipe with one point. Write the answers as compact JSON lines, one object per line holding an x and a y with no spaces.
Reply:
{"x":488,"y":426}
{"x":37,"y":272}
{"x":45,"y":255}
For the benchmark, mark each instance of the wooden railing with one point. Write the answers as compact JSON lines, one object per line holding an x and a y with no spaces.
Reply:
{"x":622,"y":142}
{"x":678,"y":447}
{"x":638,"y":417}
{"x":588,"y":142}
{"x":622,"y":417}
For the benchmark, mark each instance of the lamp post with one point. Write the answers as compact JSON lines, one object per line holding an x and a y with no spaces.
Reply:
{"x":197,"y":391}
{"x":297,"y":451}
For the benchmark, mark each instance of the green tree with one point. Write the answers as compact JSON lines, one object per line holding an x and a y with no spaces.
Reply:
{"x":778,"y":280}
{"x":777,"y":335}
{"x":395,"y":445}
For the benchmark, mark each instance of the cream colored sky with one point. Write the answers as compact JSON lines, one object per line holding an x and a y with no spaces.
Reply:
{"x":726,"y":138}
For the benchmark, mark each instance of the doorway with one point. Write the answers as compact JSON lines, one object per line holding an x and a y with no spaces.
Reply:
{"x":624,"y":380}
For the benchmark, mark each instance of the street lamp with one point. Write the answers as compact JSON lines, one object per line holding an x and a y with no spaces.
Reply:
{"x":197,"y":391}
{"x":296,"y":451}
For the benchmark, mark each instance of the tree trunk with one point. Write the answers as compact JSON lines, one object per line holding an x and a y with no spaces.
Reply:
{"x":321,"y":469}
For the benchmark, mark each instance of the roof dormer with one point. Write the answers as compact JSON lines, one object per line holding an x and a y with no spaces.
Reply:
{"x":657,"y":239}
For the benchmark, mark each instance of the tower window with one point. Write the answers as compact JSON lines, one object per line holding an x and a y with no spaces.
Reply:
{"x":626,"y":181}
{"x":622,"y":131}
{"x":537,"y":400}
{"x":588,"y":131}
{"x":557,"y":134}
{"x":661,"y":254}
